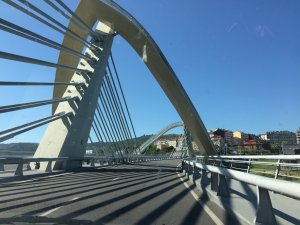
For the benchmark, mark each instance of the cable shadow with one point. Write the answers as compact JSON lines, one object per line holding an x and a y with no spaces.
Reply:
{"x":113,"y":215}
{"x":43,"y":220}
{"x":164,"y":207}
{"x":287,"y":217}
{"x":57,"y":184}
{"x":277,"y":212}
{"x":100,"y":181}
{"x":89,"y":196}
{"x":195,"y":213}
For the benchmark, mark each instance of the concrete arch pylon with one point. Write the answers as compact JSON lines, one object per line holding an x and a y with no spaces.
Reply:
{"x":119,"y":20}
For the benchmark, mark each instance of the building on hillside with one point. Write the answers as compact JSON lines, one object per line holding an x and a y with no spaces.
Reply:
{"x":239,"y":137}
{"x":298,"y":136}
{"x":263,"y":137}
{"x":227,"y":135}
{"x":168,"y":142}
{"x":281,"y":137}
{"x":251,"y":145}
{"x":291,"y":149}
{"x":253,"y":137}
{"x":218,"y":141}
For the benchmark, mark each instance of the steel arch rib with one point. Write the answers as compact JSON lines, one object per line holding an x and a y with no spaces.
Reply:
{"x":133,"y":32}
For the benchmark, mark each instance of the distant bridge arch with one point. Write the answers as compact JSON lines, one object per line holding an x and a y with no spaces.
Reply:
{"x":152,"y":139}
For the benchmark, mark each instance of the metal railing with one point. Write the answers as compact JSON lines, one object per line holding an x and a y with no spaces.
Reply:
{"x":103,"y":160}
{"x":277,"y":166}
{"x":222,"y":168}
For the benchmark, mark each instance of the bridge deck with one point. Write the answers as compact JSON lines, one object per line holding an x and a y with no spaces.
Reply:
{"x":148,"y":193}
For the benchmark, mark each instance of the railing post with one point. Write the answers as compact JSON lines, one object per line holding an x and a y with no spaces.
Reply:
{"x":195,"y":173}
{"x":204,"y":179}
{"x":278,"y":169}
{"x":214,"y":181}
{"x":182,"y":166}
{"x":19,"y":170}
{"x":93,"y":163}
{"x":49,"y":167}
{"x":65,"y":162}
{"x":249,"y":166}
{"x":1,"y":166}
{"x":222,"y":186}
{"x":264,"y":211}
{"x":187,"y":170}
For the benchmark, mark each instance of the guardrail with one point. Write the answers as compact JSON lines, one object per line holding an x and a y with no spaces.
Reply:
{"x":217,"y":166}
{"x":277,"y":166}
{"x":90,"y":160}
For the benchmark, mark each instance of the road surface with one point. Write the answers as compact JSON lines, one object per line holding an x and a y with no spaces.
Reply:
{"x":147,"y":193}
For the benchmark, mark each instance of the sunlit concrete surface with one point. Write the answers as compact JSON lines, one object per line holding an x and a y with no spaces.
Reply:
{"x":147,"y":193}
{"x":242,"y":202}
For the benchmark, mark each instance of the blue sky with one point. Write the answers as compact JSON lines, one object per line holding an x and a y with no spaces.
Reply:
{"x":239,"y":62}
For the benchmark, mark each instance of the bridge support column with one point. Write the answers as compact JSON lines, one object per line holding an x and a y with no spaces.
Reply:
{"x":264,"y":211}
{"x":19,"y":170}
{"x":68,"y":137}
{"x":1,"y":167}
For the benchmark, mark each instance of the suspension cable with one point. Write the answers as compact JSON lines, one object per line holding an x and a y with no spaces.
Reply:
{"x":10,"y":108}
{"x":25,"y":59}
{"x":107,"y":128}
{"x":76,"y":19}
{"x":40,"y":19}
{"x":111,"y":121}
{"x":114,"y":66}
{"x":117,"y":106}
{"x":9,"y":83}
{"x":24,"y":33}
{"x":116,"y":118}
{"x":12,"y":135}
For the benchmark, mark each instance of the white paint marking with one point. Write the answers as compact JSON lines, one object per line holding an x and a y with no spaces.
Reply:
{"x":211,"y":214}
{"x":50,"y":211}
{"x":116,"y":179}
{"x":53,"y":210}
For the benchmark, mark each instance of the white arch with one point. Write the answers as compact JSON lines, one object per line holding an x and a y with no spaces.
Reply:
{"x":131,"y":30}
{"x":152,"y":139}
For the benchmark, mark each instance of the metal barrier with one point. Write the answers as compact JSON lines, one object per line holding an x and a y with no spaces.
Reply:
{"x":277,"y":166}
{"x":90,"y":160}
{"x":218,"y":168}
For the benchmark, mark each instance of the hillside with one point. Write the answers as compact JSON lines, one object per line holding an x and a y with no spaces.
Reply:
{"x":28,"y":149}
{"x":17,"y":149}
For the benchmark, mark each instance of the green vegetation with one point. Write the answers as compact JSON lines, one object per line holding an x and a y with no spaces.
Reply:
{"x":151,"y":150}
{"x":269,"y":171}
{"x":18,"y":149}
{"x":253,"y":152}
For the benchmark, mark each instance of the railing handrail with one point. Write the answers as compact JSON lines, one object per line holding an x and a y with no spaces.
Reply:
{"x":16,"y":160}
{"x":281,"y":157}
{"x":289,"y":188}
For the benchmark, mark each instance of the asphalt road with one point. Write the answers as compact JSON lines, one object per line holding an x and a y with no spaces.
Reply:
{"x":148,"y":193}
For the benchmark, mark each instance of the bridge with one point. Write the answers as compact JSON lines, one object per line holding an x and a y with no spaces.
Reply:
{"x":121,"y":184}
